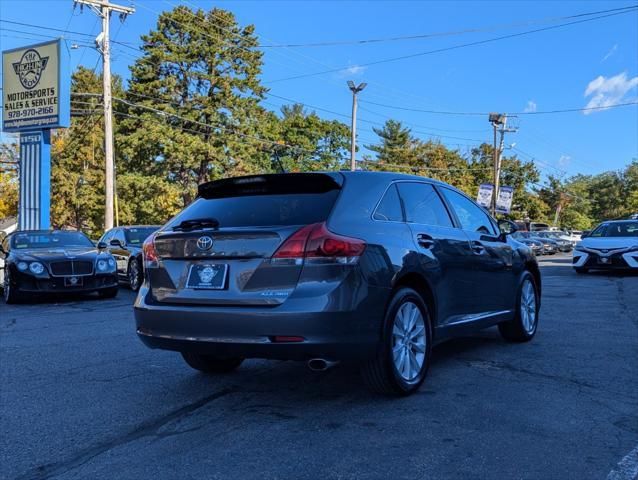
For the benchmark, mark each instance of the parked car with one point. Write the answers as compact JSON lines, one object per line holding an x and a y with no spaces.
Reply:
{"x":536,"y":245}
{"x":322,"y":267}
{"x":562,"y":245}
{"x":7,"y":226}
{"x":125,"y":244}
{"x":611,"y":245}
{"x":549,"y":246}
{"x":54,"y":261}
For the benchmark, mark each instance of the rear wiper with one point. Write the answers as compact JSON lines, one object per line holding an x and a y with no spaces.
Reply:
{"x":196,"y":223}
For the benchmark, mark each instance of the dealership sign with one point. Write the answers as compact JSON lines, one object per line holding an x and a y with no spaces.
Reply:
{"x":504,"y":199}
{"x":35,"y":88}
{"x":484,"y":197}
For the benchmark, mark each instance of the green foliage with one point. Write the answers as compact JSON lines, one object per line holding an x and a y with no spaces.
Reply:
{"x":9,"y":158}
{"x":146,"y":200}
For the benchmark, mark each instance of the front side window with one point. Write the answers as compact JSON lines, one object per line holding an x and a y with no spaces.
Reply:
{"x":389,"y":209}
{"x":423,"y":205}
{"x":107,"y":236}
{"x":471,"y":216}
{"x":119,"y":235}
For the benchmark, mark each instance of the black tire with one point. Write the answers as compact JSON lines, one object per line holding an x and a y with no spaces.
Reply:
{"x":211,"y":364}
{"x":515,"y":330}
{"x":135,"y":274}
{"x":580,"y":270}
{"x":381,"y":374}
{"x":10,"y":293}
{"x":108,"y":292}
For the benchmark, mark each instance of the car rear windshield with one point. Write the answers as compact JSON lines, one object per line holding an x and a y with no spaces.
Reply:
{"x":279,"y":200}
{"x":49,"y":240}
{"x":616,"y":229}
{"x":137,"y":235}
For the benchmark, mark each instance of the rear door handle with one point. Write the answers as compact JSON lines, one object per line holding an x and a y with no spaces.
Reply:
{"x":477,"y":247}
{"x":424,"y":240}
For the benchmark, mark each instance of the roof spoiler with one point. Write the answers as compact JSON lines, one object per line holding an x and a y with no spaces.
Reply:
{"x":271,"y":184}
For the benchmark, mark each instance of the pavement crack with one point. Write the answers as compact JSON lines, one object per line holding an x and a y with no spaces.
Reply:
{"x":148,"y":429}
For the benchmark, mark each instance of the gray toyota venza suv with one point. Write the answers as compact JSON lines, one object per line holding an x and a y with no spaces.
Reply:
{"x":322,"y":267}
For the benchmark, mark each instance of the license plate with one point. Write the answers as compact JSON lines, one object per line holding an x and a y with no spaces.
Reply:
{"x":72,"y":281}
{"x":207,"y":276}
{"x":604,"y":260}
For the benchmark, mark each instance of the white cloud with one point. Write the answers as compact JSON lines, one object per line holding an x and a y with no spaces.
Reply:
{"x":530,"y":107}
{"x":608,"y":91}
{"x":564,"y":160}
{"x":352,"y":70}
{"x":611,"y":52}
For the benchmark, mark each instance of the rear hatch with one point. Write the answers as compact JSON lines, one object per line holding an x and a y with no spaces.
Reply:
{"x":219,"y":250}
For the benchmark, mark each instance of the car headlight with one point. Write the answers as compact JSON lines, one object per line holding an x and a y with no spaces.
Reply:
{"x":36,"y":267}
{"x":22,"y":266}
{"x":633,"y":249}
{"x":102,"y":265}
{"x":105,"y":265}
{"x":578,"y":248}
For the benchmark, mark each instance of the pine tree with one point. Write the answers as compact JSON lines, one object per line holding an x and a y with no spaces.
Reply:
{"x":201,"y":69}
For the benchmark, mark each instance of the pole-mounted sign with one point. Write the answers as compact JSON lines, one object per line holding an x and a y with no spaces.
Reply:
{"x":35,"y":99}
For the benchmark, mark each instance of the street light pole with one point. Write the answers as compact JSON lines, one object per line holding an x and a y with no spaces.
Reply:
{"x":353,"y":141}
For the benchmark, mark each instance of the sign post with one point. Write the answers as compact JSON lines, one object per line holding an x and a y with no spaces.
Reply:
{"x":35,"y":99}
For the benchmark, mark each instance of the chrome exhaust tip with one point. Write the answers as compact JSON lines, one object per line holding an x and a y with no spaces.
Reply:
{"x":320,"y":364}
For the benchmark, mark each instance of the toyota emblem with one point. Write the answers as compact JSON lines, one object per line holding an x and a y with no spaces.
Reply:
{"x":204,"y":243}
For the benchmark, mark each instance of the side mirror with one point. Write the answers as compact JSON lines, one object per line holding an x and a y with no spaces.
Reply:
{"x":507,"y":227}
{"x":585,"y":233}
{"x":115,"y":243}
{"x":102,"y":245}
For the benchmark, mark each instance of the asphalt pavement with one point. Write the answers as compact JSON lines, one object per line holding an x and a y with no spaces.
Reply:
{"x":82,"y":398}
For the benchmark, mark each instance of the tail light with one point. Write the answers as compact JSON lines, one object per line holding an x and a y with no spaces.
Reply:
{"x":149,"y":253}
{"x":316,"y":244}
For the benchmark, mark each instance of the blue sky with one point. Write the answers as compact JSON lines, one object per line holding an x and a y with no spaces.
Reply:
{"x":591,"y":63}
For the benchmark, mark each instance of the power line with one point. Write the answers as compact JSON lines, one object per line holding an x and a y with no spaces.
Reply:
{"x":455,"y":47}
{"x":440,"y":34}
{"x":545,"y":112}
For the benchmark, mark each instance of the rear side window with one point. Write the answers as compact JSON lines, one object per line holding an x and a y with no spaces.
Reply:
{"x":389,"y":209}
{"x":261,"y":210}
{"x":423,"y":205}
{"x":471,"y":216}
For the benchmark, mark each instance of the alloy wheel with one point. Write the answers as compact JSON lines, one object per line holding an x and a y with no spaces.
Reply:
{"x":528,"y":306}
{"x":134,"y":275}
{"x":6,"y":285}
{"x":408,"y":341}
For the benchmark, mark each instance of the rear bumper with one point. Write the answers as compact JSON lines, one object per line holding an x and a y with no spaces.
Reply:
{"x":249,"y":332}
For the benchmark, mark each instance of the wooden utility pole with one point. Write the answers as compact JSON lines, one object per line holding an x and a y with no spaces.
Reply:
{"x":499,"y":124}
{"x":103,"y":8}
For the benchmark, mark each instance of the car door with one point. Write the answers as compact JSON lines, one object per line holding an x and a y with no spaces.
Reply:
{"x":117,"y":247}
{"x":444,"y":254}
{"x":494,"y":282}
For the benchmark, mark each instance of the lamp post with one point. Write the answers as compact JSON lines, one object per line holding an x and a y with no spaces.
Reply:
{"x":353,"y":143}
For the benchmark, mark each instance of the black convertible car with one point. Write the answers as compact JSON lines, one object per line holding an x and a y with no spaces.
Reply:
{"x":52,"y":261}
